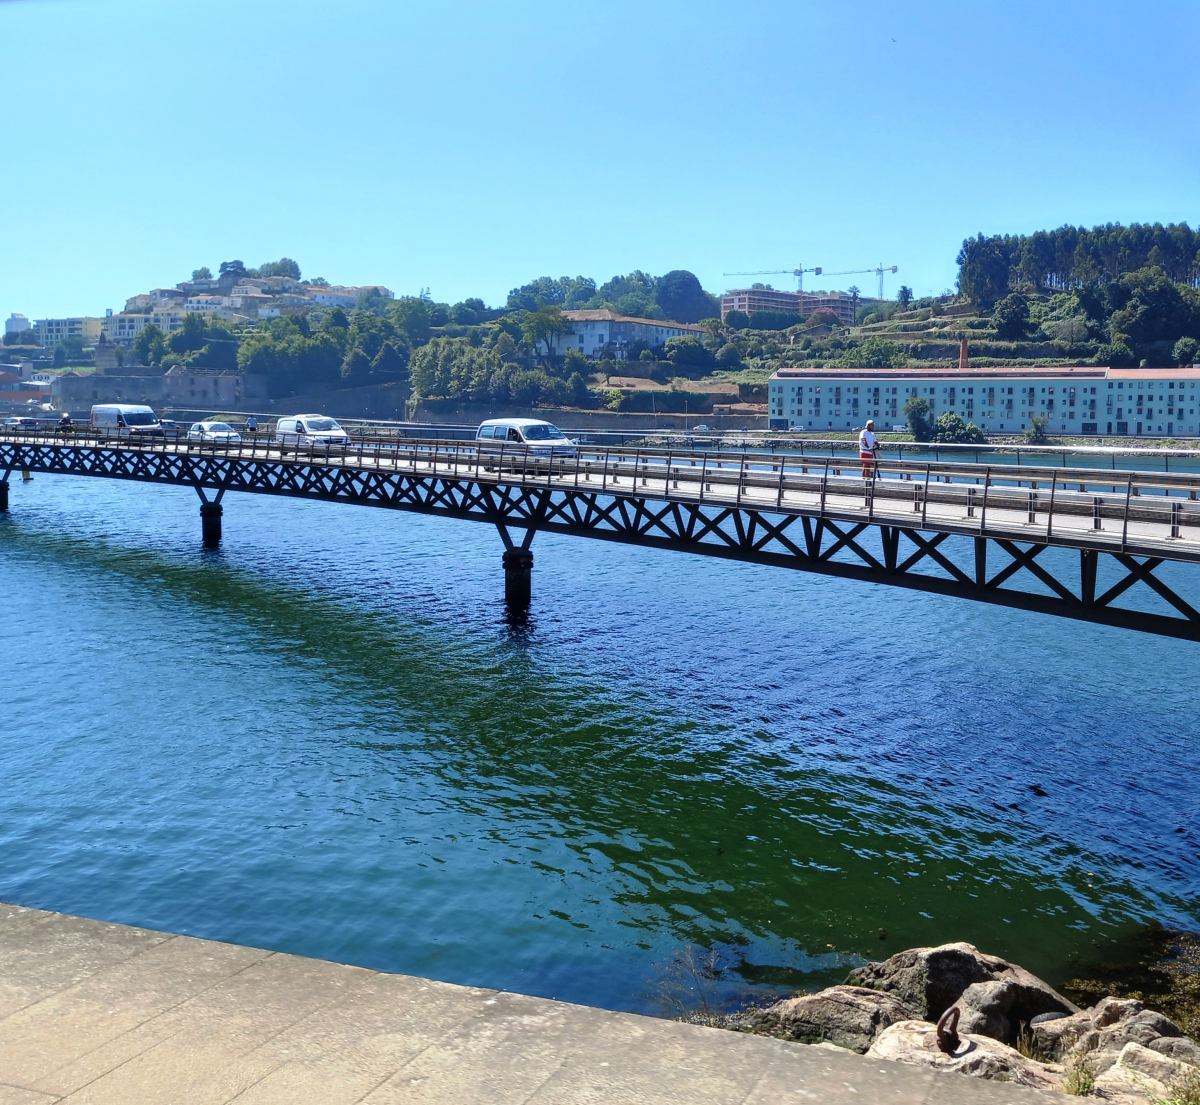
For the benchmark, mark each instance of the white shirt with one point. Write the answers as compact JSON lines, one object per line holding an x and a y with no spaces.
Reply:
{"x":867,"y":442}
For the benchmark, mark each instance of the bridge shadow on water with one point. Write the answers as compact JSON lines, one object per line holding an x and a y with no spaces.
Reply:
{"x":278,"y":758}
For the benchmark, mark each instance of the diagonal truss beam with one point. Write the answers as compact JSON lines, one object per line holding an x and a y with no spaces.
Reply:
{"x":623,"y":516}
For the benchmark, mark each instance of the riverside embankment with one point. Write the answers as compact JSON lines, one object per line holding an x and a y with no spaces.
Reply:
{"x":110,"y":1015}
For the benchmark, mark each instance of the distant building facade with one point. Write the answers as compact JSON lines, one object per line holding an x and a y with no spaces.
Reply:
{"x":51,"y":331}
{"x":1075,"y":399}
{"x":179,"y":387}
{"x":749,"y":300}
{"x":17,"y":324}
{"x":594,"y":332}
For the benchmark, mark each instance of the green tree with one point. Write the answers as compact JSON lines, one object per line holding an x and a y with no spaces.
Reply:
{"x":202,"y":273}
{"x":729,"y":356}
{"x":412,"y":315}
{"x":1011,"y":317}
{"x":549,"y":291}
{"x":689,"y":353}
{"x":904,"y":296}
{"x":390,"y":363}
{"x":950,"y":429}
{"x":60,"y":356}
{"x":874,"y":352}
{"x":356,"y":369}
{"x":149,"y":345}
{"x":920,"y":422}
{"x":575,"y":363}
{"x":232,"y":270}
{"x":681,"y":297}
{"x":285,"y":266}
{"x":1150,"y":308}
{"x":1185,"y":351}
{"x":580,"y":397}
{"x":543,"y":326}
{"x":1037,"y":429}
{"x":737,"y":320}
{"x":983,"y":270}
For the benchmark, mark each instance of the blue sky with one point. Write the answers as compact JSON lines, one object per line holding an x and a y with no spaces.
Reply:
{"x":468,"y":147}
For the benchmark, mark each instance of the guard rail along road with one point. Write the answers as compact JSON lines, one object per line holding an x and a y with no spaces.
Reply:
{"x":968,"y":530}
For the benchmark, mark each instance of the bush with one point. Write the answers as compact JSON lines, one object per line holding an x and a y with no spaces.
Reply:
{"x":772,"y":320}
{"x":1116,"y":355}
{"x":1011,"y":318}
{"x":1185,"y":351}
{"x":950,"y":429}
{"x":690,"y":352}
{"x":737,"y":320}
{"x":874,"y":353}
{"x":1037,"y":428}
{"x":729,"y":357}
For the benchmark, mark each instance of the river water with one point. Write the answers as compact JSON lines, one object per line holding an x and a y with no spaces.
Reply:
{"x":326,"y":738}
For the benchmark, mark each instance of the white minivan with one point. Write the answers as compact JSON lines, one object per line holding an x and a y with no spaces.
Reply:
{"x":126,"y":420}
{"x":532,"y":435}
{"x":310,"y":430}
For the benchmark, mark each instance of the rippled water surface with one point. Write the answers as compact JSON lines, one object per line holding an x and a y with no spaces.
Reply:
{"x":326,"y":739}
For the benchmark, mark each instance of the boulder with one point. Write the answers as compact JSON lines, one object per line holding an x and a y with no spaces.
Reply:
{"x":1002,"y":995}
{"x":1139,"y":1076}
{"x":915,"y":1042}
{"x":848,"y":1016}
{"x":1107,"y":1028}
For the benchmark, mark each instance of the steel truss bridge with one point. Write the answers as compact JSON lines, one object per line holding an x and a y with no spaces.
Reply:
{"x":971,"y":531}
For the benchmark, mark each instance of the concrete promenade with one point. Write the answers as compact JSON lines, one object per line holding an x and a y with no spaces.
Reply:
{"x":106,"y":1014}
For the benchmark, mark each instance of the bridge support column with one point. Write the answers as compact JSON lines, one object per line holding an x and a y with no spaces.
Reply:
{"x":518,"y":578}
{"x":3,"y":496}
{"x":210,"y":523}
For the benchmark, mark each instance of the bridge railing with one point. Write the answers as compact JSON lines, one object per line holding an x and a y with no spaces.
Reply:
{"x":1154,"y":512}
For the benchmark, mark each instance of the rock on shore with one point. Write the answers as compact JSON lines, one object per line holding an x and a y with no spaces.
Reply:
{"x":1012,"y":1026}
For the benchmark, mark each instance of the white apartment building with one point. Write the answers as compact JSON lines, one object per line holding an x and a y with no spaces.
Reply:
{"x":340,"y":295}
{"x":1078,"y":400}
{"x":123,"y":328}
{"x":206,"y":304}
{"x":51,"y":331}
{"x":594,"y":331}
{"x":17,"y":324}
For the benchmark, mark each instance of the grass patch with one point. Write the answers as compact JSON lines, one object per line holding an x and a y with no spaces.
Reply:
{"x":1079,"y":1077}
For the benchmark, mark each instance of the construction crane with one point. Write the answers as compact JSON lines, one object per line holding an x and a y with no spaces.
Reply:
{"x":878,"y":270}
{"x":797,"y":273}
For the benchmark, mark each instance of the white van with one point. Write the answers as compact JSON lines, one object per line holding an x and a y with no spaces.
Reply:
{"x":309,"y":430}
{"x":519,"y":435}
{"x":126,"y":420}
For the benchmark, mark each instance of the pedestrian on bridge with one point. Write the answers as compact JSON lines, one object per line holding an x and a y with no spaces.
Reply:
{"x":252,"y":424}
{"x":868,"y":444}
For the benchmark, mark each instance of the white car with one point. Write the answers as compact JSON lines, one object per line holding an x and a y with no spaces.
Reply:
{"x":532,"y":435}
{"x":213,"y":433}
{"x":310,"y":430}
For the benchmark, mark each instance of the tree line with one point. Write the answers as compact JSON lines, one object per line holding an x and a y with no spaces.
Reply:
{"x":1073,"y":257}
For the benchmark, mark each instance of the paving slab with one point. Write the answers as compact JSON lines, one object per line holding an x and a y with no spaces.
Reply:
{"x":93,"y":1013}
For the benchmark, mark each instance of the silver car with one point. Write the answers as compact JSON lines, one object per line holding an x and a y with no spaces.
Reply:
{"x":219,"y":433}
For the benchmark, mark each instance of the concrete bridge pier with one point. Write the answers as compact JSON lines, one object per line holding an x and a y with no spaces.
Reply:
{"x":518,"y":578}
{"x":3,"y":496}
{"x":210,"y":523}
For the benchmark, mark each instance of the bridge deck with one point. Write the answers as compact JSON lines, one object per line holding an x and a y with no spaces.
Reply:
{"x":817,"y":515}
{"x":1138,"y":513}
